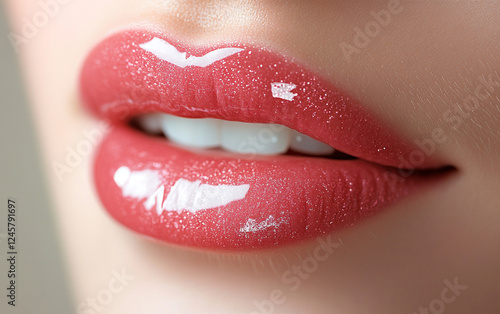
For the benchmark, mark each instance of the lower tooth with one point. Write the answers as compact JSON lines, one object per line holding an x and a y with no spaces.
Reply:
{"x":304,"y":144}
{"x":254,"y":138}
{"x":201,"y":133}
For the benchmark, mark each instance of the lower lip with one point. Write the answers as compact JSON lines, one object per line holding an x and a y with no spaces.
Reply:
{"x":232,"y":202}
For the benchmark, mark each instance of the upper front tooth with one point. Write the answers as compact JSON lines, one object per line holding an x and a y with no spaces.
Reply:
{"x":150,"y":122}
{"x":238,"y":137}
{"x":258,"y":138}
{"x":202,"y":133}
{"x":304,"y":144}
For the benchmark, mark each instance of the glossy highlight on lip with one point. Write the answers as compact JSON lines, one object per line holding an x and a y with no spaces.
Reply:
{"x":218,"y":200}
{"x":184,"y":194}
{"x":166,"y":52}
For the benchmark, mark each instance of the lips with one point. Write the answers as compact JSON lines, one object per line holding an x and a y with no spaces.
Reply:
{"x":209,"y":198}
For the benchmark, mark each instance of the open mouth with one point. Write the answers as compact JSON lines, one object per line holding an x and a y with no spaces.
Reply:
{"x":250,"y":139}
{"x":236,"y":147}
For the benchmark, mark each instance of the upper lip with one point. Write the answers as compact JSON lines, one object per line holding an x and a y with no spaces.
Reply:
{"x":236,"y":86}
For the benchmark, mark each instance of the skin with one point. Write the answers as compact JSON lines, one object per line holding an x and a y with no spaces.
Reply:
{"x":424,"y":63}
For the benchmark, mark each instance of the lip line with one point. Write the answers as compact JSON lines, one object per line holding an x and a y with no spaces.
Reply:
{"x":218,"y":151}
{"x":258,"y":114}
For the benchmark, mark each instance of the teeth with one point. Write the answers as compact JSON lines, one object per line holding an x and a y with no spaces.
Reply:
{"x":304,"y":144}
{"x":259,"y":138}
{"x":202,"y":133}
{"x":237,"y":137}
{"x":150,"y":122}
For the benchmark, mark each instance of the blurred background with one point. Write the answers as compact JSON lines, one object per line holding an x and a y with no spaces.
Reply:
{"x":40,"y":285}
